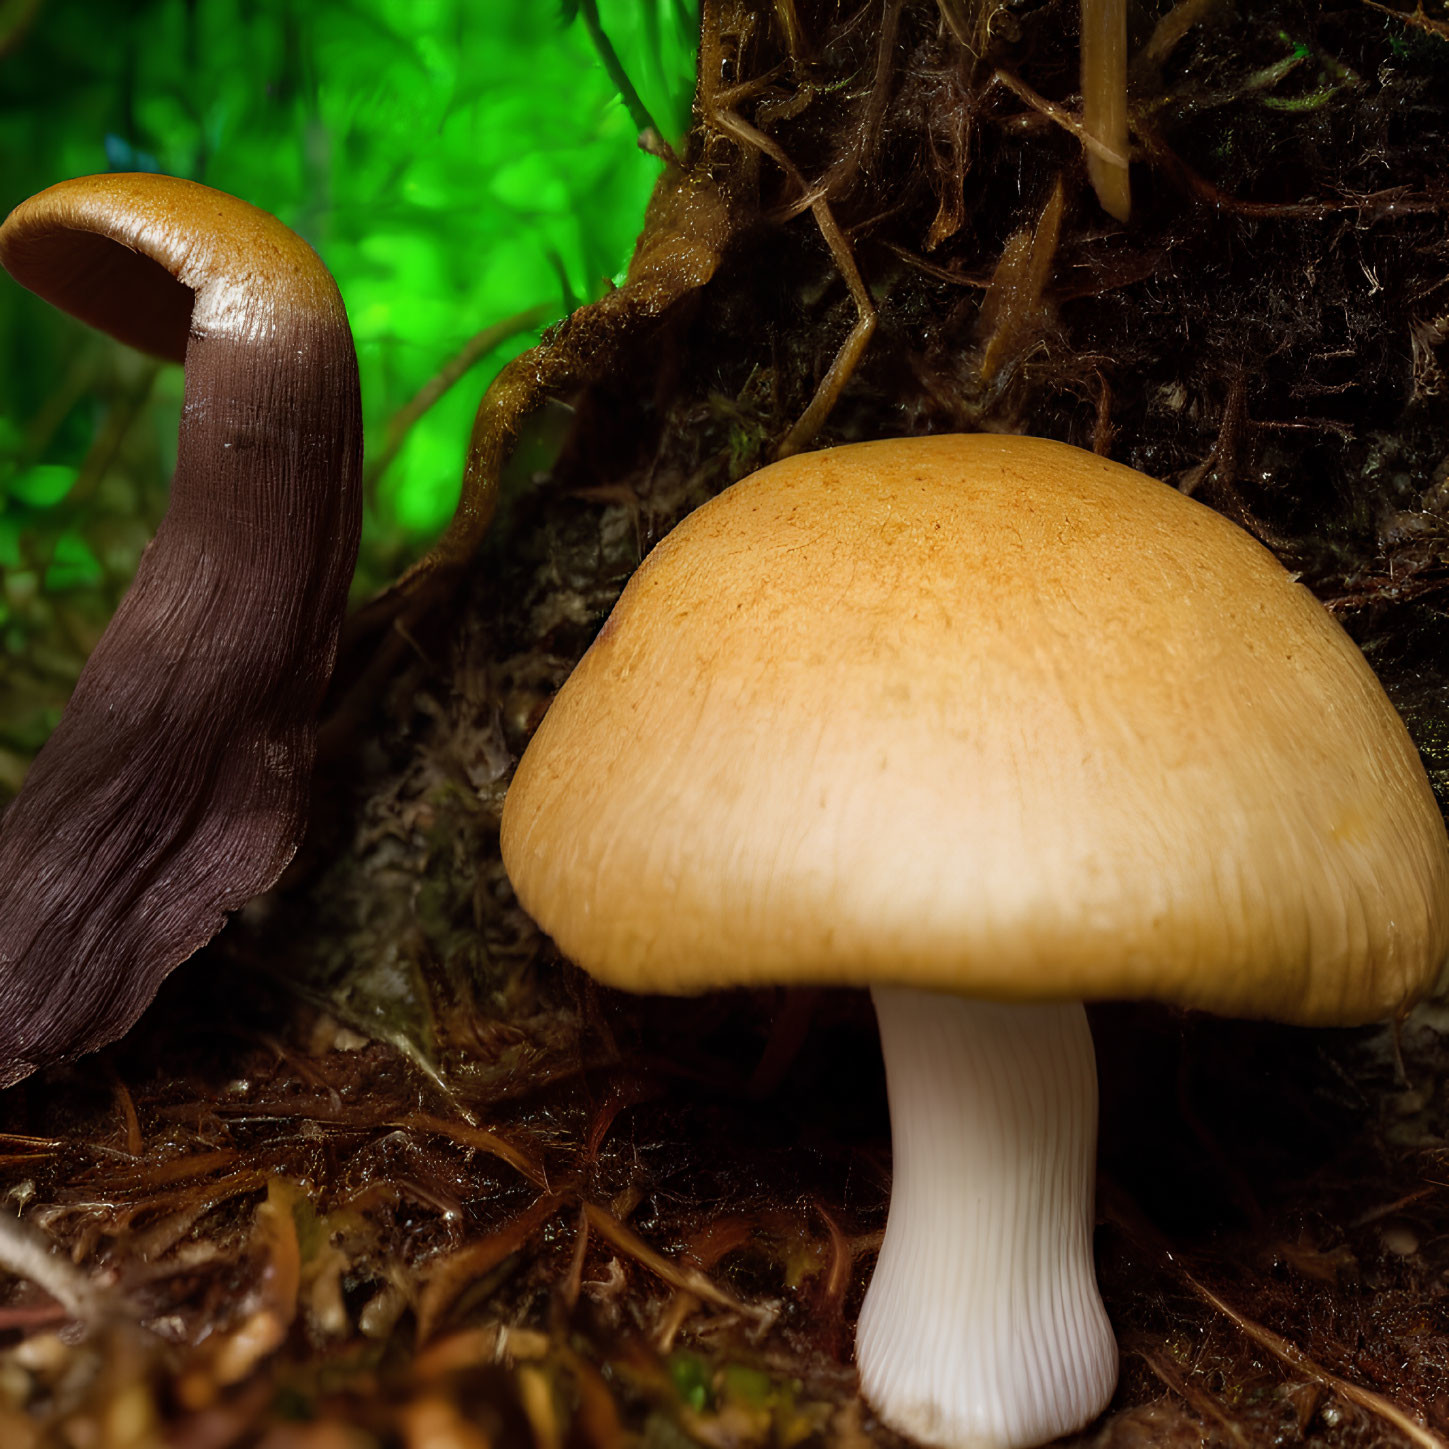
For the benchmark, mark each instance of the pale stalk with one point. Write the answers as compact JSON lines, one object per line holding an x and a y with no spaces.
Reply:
{"x":983,"y":1327}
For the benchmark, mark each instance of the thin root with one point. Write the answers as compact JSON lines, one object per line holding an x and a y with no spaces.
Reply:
{"x":1296,"y":1359}
{"x":681,"y":1277}
{"x":1062,"y":117}
{"x":827,"y":393}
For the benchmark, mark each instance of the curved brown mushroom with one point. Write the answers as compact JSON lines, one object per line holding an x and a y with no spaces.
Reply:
{"x":175,"y":786}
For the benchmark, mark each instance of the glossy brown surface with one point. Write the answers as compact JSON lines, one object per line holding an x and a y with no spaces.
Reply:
{"x":174,"y":788}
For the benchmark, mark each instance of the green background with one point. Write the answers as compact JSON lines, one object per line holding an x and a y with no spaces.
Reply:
{"x":455,"y":162}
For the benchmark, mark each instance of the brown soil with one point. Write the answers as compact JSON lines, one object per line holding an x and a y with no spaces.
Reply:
{"x":379,"y":1169}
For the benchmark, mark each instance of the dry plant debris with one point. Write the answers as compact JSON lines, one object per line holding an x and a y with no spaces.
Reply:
{"x":380,"y":1170}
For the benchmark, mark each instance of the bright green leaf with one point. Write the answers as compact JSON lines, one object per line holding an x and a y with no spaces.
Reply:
{"x":43,"y":485}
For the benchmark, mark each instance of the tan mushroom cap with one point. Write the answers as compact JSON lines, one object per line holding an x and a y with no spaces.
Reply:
{"x":989,"y":715}
{"x":149,"y":259}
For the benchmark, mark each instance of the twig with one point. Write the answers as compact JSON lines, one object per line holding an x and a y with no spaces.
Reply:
{"x":1170,"y":30}
{"x":572,"y":1285}
{"x":931,"y":269}
{"x":1418,"y":19}
{"x":27,"y":1253}
{"x":449,"y":1277}
{"x":789,"y":22}
{"x":1384,"y":1210}
{"x":1013,"y":312}
{"x":686,"y":1279}
{"x":860,"y":152}
{"x":1392,"y":201}
{"x":134,"y":1143}
{"x":833,"y":383}
{"x":851,"y":350}
{"x":1062,"y":117}
{"x":839,"y":1263}
{"x":480,"y":1139}
{"x":1104,"y":100}
{"x":956,"y":23}
{"x":1120,"y":1209}
{"x":1295,"y":1358}
{"x":24,"y":1139}
{"x":684,"y":238}
{"x":1168,"y":1374}
{"x":638,"y":111}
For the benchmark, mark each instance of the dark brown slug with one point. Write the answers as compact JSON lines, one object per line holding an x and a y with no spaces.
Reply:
{"x":175,"y":785}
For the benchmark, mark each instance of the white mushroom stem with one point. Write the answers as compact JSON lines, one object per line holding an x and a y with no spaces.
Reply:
{"x":983,"y":1327}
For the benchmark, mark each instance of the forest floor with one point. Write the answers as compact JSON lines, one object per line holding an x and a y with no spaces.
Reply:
{"x":380,"y":1169}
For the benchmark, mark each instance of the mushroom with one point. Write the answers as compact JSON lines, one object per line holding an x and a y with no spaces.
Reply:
{"x":992,"y":726}
{"x":174,"y":787}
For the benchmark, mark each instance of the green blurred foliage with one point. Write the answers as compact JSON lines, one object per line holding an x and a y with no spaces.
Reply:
{"x":454,"y":161}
